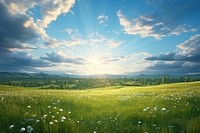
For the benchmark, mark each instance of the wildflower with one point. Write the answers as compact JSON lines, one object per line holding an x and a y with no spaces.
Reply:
{"x":53,"y":116}
{"x":57,"y":113}
{"x":63,"y":117}
{"x":144,"y":110}
{"x":163,"y":109}
{"x":94,"y":132}
{"x":49,"y":106}
{"x":69,"y":112}
{"x":44,"y":116}
{"x":56,"y":121}
{"x":37,"y":121}
{"x":98,"y":122}
{"x":139,"y":122}
{"x":22,"y":129}
{"x":29,"y":129}
{"x":58,"y":101}
{"x":61,"y":110}
{"x":155,"y":108}
{"x":28,"y":107}
{"x":51,"y":123}
{"x":54,"y":107}
{"x":11,"y":126}
{"x":34,"y":115}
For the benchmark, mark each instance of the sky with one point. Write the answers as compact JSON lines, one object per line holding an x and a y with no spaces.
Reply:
{"x":86,"y":37}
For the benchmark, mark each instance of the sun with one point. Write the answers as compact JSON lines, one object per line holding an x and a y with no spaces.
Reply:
{"x":97,"y":65}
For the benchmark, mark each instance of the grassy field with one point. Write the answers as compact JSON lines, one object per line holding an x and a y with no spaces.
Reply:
{"x":170,"y":108}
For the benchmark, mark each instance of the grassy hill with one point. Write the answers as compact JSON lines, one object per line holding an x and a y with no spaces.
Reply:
{"x":155,"y":109}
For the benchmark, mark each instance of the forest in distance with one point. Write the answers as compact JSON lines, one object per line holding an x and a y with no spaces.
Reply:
{"x":50,"y":81}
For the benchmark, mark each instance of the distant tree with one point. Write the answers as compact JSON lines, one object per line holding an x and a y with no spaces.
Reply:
{"x":164,"y":80}
{"x":187,"y":79}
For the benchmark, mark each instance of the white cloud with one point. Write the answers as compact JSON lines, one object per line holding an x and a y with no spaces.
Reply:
{"x":190,"y":47}
{"x":98,"y":39}
{"x":102,"y":19}
{"x":146,"y":26}
{"x":52,"y":42}
{"x":53,"y":8}
{"x":71,"y":31}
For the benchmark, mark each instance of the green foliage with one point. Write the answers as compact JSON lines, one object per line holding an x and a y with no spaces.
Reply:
{"x":163,"y":108}
{"x":85,"y":83}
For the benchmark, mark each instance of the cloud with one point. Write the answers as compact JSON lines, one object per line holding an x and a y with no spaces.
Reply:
{"x":98,"y":39}
{"x":52,"y":42}
{"x":71,"y":31}
{"x":186,"y":59}
{"x":186,"y":51}
{"x":18,"y":28}
{"x":59,"y":57}
{"x":14,"y":35}
{"x":21,"y":61}
{"x":150,"y":26}
{"x":93,"y":39}
{"x":50,"y":9}
{"x":53,"y":8}
{"x":102,"y":19}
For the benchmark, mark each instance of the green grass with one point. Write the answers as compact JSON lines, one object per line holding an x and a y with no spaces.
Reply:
{"x":102,"y":110}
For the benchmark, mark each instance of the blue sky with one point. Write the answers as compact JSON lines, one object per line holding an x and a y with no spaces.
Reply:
{"x":87,"y":37}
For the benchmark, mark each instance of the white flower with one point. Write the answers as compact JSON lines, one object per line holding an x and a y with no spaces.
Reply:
{"x":163,"y":109}
{"x":57,"y":113}
{"x":53,"y":116}
{"x":54,"y":107}
{"x":77,"y":121}
{"x":22,"y":129}
{"x":51,"y":123}
{"x":61,"y":110}
{"x":69,"y":112}
{"x":37,"y":121}
{"x":94,"y":132}
{"x":49,"y":106}
{"x":62,"y":120}
{"x":11,"y":126}
{"x":28,"y":107}
{"x":144,"y":110}
{"x":44,"y":116}
{"x":139,"y":122}
{"x":155,"y":108}
{"x":63,"y":117}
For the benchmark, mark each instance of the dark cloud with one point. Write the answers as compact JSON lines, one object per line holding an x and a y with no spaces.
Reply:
{"x":185,"y":60}
{"x":21,"y":61}
{"x":164,"y":67}
{"x":187,"y":51}
{"x":58,"y":58}
{"x":164,"y":57}
{"x":13,"y":33}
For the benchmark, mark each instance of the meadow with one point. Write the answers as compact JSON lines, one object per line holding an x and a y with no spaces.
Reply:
{"x":168,"y":108}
